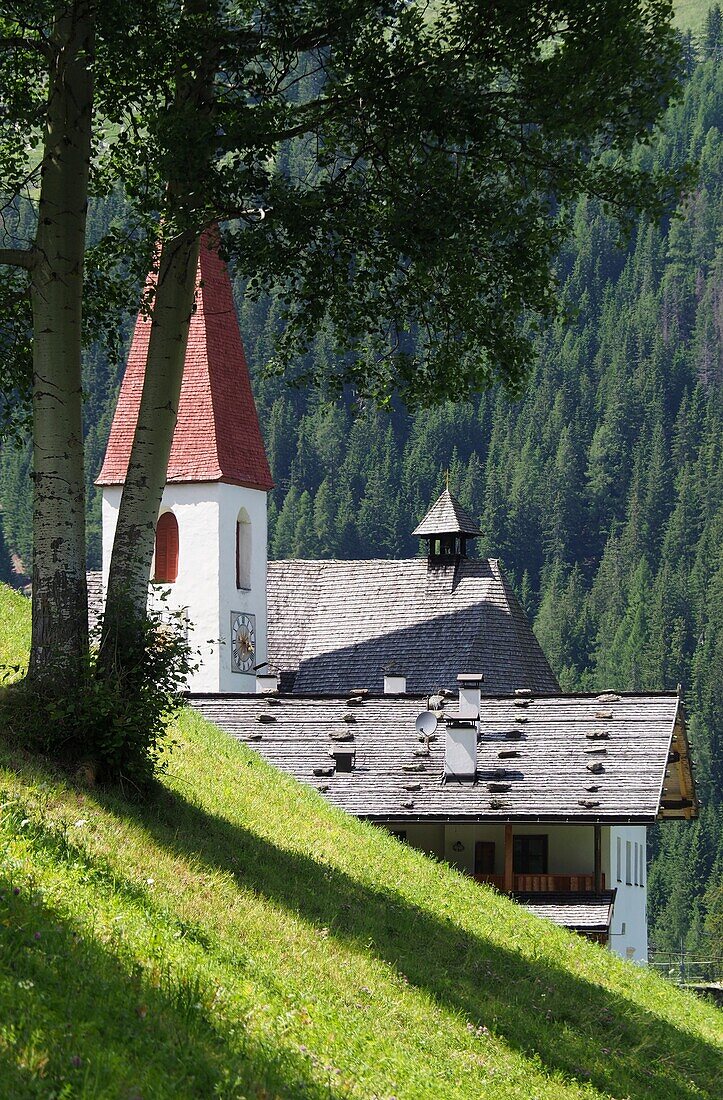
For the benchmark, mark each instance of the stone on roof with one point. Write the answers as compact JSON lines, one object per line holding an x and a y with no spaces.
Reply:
{"x":336,"y":625}
{"x":547,"y":780}
{"x":447,"y":517}
{"x":217,"y":435}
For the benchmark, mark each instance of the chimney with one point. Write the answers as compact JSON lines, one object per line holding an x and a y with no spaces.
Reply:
{"x":344,"y":757}
{"x":460,"y":749}
{"x":395,"y":681}
{"x":469,"y":694}
{"x":267,"y":680}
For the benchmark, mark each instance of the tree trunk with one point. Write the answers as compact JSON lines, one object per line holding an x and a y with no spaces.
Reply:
{"x":133,"y":545}
{"x":60,"y":612}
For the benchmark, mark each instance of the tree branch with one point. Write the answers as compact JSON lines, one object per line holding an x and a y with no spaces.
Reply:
{"x":18,"y":257}
{"x":18,"y":42}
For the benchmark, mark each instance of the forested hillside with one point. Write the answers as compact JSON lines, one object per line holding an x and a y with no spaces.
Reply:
{"x":601,"y":490}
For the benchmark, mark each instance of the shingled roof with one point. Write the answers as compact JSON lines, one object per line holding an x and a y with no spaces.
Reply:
{"x":217,"y":435}
{"x":335,"y":626}
{"x":447,"y":517}
{"x":555,"y":758}
{"x":578,"y":912}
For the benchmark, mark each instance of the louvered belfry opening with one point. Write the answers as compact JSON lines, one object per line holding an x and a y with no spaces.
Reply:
{"x":166,"y":570}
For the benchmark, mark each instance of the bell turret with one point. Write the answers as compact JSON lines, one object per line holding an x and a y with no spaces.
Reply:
{"x":446,"y":527}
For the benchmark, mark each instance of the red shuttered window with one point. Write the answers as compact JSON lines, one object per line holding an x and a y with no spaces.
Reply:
{"x":166,"y":549}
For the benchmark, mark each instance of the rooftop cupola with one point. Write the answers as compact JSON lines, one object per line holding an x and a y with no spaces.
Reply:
{"x":446,"y":527}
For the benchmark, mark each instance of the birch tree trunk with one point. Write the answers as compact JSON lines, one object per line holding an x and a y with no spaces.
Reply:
{"x":133,"y":545}
{"x":59,"y":600}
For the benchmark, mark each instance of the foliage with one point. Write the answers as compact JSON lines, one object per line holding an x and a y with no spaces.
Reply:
{"x":415,"y":215}
{"x":113,"y":724}
{"x":235,"y":936}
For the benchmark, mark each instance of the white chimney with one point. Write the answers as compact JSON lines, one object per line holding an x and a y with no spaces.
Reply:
{"x":267,"y":681}
{"x":395,"y":682}
{"x":460,"y":750}
{"x":469,"y":694}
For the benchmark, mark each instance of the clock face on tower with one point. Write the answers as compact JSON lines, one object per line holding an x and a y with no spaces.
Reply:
{"x":243,"y":641}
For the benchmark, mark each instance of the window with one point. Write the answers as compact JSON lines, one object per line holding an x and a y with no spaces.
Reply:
{"x":484,"y":857}
{"x":529,"y":855}
{"x":635,"y":864}
{"x":166,"y":570}
{"x":243,"y":550}
{"x":619,"y":861}
{"x":628,"y":862}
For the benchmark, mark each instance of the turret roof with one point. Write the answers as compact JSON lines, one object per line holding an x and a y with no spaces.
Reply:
{"x":447,"y":517}
{"x":217,"y":435}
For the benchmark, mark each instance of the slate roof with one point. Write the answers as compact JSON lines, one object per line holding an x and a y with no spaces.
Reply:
{"x":338,"y":624}
{"x":96,"y":599}
{"x":217,"y":435}
{"x":551,"y":758}
{"x":447,"y":517}
{"x":578,"y":912}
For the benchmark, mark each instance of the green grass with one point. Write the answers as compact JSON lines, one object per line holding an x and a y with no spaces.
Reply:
{"x":234,"y":936}
{"x":14,"y":632}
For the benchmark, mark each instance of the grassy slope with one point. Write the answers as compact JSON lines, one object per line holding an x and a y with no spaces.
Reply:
{"x":237,"y":937}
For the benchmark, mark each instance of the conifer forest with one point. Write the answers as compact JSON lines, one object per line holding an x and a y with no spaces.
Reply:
{"x":601,"y":489}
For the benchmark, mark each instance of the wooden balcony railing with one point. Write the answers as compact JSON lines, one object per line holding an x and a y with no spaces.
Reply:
{"x":545,"y":884}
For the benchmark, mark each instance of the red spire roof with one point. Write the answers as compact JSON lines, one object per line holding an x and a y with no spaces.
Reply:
{"x":217,"y":436}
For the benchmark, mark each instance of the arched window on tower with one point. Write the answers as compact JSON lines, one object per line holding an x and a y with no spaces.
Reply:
{"x":166,"y":570}
{"x":243,"y":550}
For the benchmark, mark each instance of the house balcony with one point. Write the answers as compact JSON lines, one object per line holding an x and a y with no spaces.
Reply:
{"x":544,"y":883}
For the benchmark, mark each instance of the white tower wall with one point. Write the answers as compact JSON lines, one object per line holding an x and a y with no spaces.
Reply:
{"x":205,"y":588}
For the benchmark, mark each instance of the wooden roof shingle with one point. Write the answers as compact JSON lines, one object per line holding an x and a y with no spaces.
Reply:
{"x":447,"y":517}
{"x":338,"y":624}
{"x":570,"y":764}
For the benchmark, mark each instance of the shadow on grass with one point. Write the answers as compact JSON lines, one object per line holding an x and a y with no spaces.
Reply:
{"x":80,"y":1019}
{"x":574,"y":1026}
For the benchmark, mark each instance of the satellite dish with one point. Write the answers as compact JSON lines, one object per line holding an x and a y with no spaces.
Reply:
{"x":426,"y":723}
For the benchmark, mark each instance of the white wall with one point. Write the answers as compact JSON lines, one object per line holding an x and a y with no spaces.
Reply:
{"x":206,"y":513}
{"x":629,"y":931}
{"x":231,"y":499}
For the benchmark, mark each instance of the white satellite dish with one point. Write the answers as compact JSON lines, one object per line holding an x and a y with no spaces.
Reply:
{"x":426,"y":723}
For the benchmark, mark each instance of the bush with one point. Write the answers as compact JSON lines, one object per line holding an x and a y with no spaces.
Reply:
{"x":109,"y":715}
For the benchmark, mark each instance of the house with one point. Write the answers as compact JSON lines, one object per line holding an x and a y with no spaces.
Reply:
{"x":410,"y":693}
{"x":546,"y":797}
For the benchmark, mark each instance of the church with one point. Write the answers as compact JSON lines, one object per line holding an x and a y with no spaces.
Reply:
{"x":411,"y":693}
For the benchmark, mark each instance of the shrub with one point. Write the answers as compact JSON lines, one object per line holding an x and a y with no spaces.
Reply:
{"x":109,"y":716}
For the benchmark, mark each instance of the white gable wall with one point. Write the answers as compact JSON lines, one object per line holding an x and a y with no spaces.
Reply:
{"x":206,"y":513}
{"x":629,"y":931}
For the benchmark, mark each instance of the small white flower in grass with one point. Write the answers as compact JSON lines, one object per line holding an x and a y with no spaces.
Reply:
{"x":150,"y":881}
{"x":24,"y":822}
{"x":80,"y":822}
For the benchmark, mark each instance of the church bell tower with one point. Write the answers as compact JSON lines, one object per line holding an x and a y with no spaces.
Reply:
{"x":446,"y":529}
{"x":211,"y":535}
